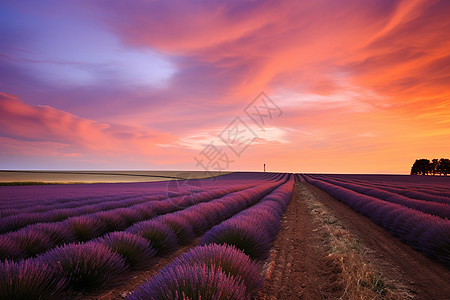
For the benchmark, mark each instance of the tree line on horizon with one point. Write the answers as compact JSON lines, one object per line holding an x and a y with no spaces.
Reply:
{"x":434,"y":167}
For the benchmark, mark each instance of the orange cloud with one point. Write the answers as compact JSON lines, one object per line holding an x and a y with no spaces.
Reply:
{"x":380,"y":45}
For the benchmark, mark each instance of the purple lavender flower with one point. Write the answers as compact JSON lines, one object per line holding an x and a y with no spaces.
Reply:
{"x":252,"y":240}
{"x":135,"y":249}
{"x":130,"y":215}
{"x":232,"y":261}
{"x":29,"y":279}
{"x":191,"y":282}
{"x":9,"y":248}
{"x":160,"y":236}
{"x":195,"y":219}
{"x":31,"y":242}
{"x":212,"y":212}
{"x":85,"y":266}
{"x":180,"y":226}
{"x":18,"y":221}
{"x":60,"y":214}
{"x":58,"y":234}
{"x":113,"y":220}
{"x":85,"y":228}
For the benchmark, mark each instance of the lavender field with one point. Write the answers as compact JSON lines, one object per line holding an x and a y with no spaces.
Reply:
{"x":65,"y":240}
{"x":416,"y":209}
{"x":62,"y":239}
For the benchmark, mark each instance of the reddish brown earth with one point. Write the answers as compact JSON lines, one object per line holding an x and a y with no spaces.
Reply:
{"x":293,"y":271}
{"x":299,"y":268}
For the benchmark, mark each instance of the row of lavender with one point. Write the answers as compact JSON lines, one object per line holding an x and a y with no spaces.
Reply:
{"x":403,"y":218}
{"x":59,"y":202}
{"x":418,"y":187}
{"x":224,"y":266}
{"x":430,"y":204}
{"x":37,"y":199}
{"x":41,"y":236}
{"x":87,"y":265}
{"x":23,"y":196}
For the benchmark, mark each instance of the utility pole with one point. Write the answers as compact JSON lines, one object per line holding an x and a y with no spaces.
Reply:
{"x":264,"y":167}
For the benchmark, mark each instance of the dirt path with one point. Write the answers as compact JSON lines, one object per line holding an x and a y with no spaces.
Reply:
{"x":427,"y":279}
{"x":300,"y":266}
{"x":293,"y":271}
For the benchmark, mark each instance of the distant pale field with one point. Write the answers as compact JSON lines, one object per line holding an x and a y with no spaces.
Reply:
{"x":99,"y":176}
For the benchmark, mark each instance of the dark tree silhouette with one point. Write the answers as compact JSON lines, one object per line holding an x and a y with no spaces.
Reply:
{"x":444,"y":166}
{"x":436,"y":166}
{"x":420,"y":167}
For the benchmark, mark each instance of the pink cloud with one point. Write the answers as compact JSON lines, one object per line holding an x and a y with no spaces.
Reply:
{"x":42,"y":129}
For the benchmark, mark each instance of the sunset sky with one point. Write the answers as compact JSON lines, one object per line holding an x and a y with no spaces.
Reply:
{"x":349,"y":86}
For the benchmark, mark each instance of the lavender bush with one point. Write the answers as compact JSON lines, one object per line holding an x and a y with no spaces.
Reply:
{"x":135,"y":249}
{"x":31,"y":242}
{"x":85,"y":228}
{"x":180,"y":226}
{"x":29,"y":279}
{"x":9,"y":248}
{"x":160,"y":236}
{"x":85,"y":266}
{"x":113,"y":220}
{"x":191,"y":282}
{"x":232,"y":261}
{"x":252,"y":240}
{"x":56,"y":233}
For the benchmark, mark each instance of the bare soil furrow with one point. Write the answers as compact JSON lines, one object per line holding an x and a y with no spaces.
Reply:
{"x":326,"y":250}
